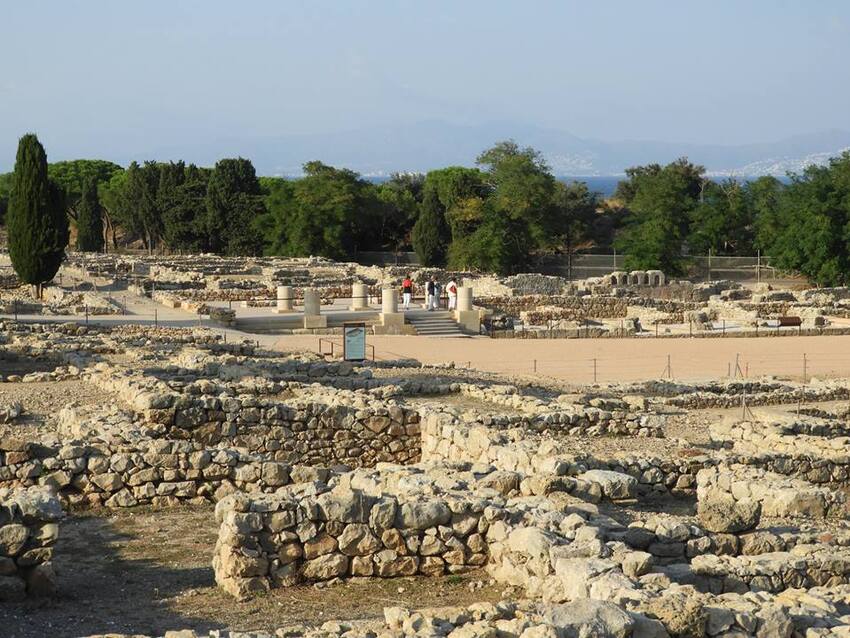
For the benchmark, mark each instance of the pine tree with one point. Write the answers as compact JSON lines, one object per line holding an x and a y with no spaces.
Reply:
{"x":36,"y":221}
{"x":430,"y":231}
{"x":89,"y":220}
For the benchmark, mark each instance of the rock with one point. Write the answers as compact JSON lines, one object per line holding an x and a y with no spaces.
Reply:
{"x":344,"y":506}
{"x":358,"y":540}
{"x":326,"y":567}
{"x":590,"y":619}
{"x":423,"y":514}
{"x":636,"y":564}
{"x":681,"y":614}
{"x":720,"y":512}
{"x":12,"y":539}
{"x":615,"y":485}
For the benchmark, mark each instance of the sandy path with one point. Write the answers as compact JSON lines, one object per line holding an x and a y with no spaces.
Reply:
{"x":618,"y":359}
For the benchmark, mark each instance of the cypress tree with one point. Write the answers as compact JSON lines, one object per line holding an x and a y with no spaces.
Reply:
{"x":430,"y":230}
{"x":36,"y":221}
{"x":89,"y":221}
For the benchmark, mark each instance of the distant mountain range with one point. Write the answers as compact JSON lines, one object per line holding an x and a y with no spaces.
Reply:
{"x":433,"y":144}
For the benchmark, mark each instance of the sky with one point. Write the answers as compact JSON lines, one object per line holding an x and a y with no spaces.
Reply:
{"x":111,"y":79}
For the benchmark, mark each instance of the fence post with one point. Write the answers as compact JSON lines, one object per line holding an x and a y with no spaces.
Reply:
{"x":155,"y":319}
{"x":87,"y":313}
{"x":594,"y":370}
{"x":535,"y":365}
{"x":805,"y":367}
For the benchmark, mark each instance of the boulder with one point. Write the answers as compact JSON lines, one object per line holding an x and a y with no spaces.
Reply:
{"x":720,"y":512}
{"x":590,"y":619}
{"x":615,"y":485}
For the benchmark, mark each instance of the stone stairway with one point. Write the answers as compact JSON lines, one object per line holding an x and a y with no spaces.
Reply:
{"x":434,"y":324}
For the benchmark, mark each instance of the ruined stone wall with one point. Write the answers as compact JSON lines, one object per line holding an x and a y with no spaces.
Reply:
{"x":447,"y":439}
{"x":124,"y":474}
{"x":334,"y":535}
{"x":29,"y":527}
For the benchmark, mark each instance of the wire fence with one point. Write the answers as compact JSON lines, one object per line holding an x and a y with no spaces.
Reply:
{"x":803,"y":367}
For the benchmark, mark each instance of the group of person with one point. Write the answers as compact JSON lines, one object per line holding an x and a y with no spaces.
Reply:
{"x":433,"y":292}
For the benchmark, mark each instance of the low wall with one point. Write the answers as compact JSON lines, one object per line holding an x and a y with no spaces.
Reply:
{"x":733,"y":498}
{"x":308,"y":432}
{"x":29,"y":527}
{"x":446,"y":439}
{"x":805,"y":567}
{"x":112,"y":459}
{"x":340,"y":534}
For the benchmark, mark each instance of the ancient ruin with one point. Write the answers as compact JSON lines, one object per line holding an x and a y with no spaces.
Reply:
{"x":647,"y":509}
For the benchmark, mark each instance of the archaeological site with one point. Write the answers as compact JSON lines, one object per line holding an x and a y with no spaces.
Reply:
{"x":189,"y":449}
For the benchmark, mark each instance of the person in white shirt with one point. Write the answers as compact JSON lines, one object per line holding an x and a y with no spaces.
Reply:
{"x":451,"y":289}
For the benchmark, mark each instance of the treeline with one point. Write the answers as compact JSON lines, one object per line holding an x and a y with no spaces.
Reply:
{"x":501,"y":216}
{"x":674,"y":210}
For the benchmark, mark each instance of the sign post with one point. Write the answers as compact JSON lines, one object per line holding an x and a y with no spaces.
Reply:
{"x":354,"y":341}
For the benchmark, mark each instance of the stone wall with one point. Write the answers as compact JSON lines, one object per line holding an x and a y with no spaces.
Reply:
{"x":29,"y":527}
{"x":302,"y":431}
{"x":279,"y":541}
{"x":816,"y":459}
{"x":111,"y":459}
{"x":446,"y":439}
{"x":805,"y":567}
{"x":732,"y":498}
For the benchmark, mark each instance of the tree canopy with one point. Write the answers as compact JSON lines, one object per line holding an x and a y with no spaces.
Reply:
{"x":36,"y":220}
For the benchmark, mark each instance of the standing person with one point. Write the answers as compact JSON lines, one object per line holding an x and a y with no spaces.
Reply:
{"x":430,"y":288}
{"x":438,"y":290}
{"x":451,"y":289}
{"x":406,"y":292}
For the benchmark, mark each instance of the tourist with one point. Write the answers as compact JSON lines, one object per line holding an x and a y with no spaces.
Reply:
{"x":406,"y":292}
{"x":430,"y":290}
{"x":451,"y":289}
{"x":438,"y":290}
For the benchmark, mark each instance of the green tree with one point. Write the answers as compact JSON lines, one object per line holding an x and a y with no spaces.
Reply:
{"x":400,"y":198}
{"x":275,"y":223}
{"x":573,"y":215}
{"x":89,"y":220}
{"x":660,"y":201}
{"x":37,"y":223}
{"x":74,"y":175}
{"x":511,"y":219}
{"x":333,"y":213}
{"x":764,"y":196}
{"x":812,"y":234}
{"x":5,"y":191}
{"x":430,"y":232}
{"x":234,"y":209}
{"x":722,"y":221}
{"x":181,"y":200}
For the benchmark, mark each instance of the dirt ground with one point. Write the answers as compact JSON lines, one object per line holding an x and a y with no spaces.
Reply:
{"x":147,"y":571}
{"x":618,"y":359}
{"x":43,"y":401}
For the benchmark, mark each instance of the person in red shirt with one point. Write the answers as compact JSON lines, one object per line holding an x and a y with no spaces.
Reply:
{"x":406,"y":292}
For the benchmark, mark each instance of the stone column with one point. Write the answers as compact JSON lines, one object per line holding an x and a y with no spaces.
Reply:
{"x":313,"y":317}
{"x":359,"y":297}
{"x":389,"y":301}
{"x":467,"y":317}
{"x":392,"y":321}
{"x":284,"y":299}
{"x":464,"y":298}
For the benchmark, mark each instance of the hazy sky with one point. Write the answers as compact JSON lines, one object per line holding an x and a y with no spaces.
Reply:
{"x":116,"y":79}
